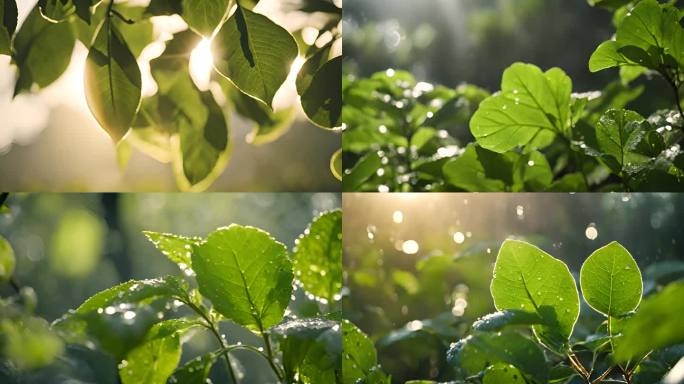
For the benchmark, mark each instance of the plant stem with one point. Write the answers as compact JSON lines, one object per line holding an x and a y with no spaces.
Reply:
{"x":577,"y":366}
{"x":212,"y":327}
{"x":603,"y":375}
{"x":269,"y":352}
{"x":675,"y":89}
{"x":627,"y":376}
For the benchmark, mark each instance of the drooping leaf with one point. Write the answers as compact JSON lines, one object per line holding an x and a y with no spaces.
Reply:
{"x":7,"y":260}
{"x":311,"y":66}
{"x":112,"y":82}
{"x":194,"y":371}
{"x":193,"y":114}
{"x":37,"y":42}
{"x":83,"y":9}
{"x":656,"y":325}
{"x":8,"y":16}
{"x":254,"y":53}
{"x":611,"y":281}
{"x":359,"y":357}
{"x":177,"y":248}
{"x":317,"y":256}
{"x":322,"y":100}
{"x":529,"y":279}
{"x":312,"y":350}
{"x":138,"y":35}
{"x":476,"y":352}
{"x":531,"y":103}
{"x":246,"y":274}
{"x":154,"y":360}
{"x":204,"y":16}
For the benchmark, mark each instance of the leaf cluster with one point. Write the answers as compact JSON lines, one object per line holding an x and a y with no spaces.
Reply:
{"x":534,"y":134}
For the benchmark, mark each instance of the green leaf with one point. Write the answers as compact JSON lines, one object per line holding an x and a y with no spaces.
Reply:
{"x":656,"y":325}
{"x":618,"y":133}
{"x":499,"y":320}
{"x":322,"y":100}
{"x":194,"y":114}
{"x":531,"y":103}
{"x":154,"y":360}
{"x":269,"y":125}
{"x":195,"y":371}
{"x":112,"y":82}
{"x":479,"y":169}
{"x":647,"y":36}
{"x":611,"y":281}
{"x":529,"y":279}
{"x":177,"y":248}
{"x":312,"y":350}
{"x":135,"y":292}
{"x":30,"y":343}
{"x":336,"y":164}
{"x":82,"y":227}
{"x":204,"y":16}
{"x":37,"y":42}
{"x":476,"y":352}
{"x":260,"y":62}
{"x":7,"y":260}
{"x":8,"y":16}
{"x":362,"y":171}
{"x":359,"y":355}
{"x":311,"y":66}
{"x":317,"y":256}
{"x":502,"y":374}
{"x":246,"y":274}
{"x":164,"y":8}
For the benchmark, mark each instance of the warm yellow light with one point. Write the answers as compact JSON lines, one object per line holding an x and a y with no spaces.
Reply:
{"x":201,"y":64}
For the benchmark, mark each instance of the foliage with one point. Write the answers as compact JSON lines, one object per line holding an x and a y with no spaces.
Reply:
{"x":534,"y":134}
{"x":535,"y":337}
{"x":183,"y":122}
{"x":237,"y":274}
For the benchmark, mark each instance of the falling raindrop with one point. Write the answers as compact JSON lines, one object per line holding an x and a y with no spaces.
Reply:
{"x":459,"y":237}
{"x":591,"y":232}
{"x":410,"y":247}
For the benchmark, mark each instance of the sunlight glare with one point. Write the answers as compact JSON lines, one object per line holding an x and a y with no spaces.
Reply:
{"x":201,"y":64}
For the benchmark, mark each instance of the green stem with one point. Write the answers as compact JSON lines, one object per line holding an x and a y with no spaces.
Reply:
{"x":212,"y":327}
{"x":269,"y":353}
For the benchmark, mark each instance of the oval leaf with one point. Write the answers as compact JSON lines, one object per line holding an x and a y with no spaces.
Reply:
{"x":530,"y":101}
{"x":177,"y":248}
{"x":112,"y":82}
{"x":254,"y":53}
{"x":359,"y":353}
{"x":246,"y":274}
{"x":203,"y":16}
{"x":611,"y":281}
{"x":529,"y":279}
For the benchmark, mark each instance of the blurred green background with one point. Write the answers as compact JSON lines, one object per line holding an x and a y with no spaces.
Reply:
{"x":453,"y":41}
{"x":418,"y":266}
{"x":70,"y":246}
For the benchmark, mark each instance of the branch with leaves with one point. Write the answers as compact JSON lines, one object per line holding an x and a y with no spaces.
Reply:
{"x":181,"y":123}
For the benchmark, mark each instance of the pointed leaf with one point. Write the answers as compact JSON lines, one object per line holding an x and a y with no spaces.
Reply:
{"x":529,"y":279}
{"x":195,"y":371}
{"x":499,"y":320}
{"x":618,"y":133}
{"x":112,"y":82}
{"x":362,"y":171}
{"x":177,"y":248}
{"x":254,"y":53}
{"x":246,"y":274}
{"x":479,"y":169}
{"x":154,"y":360}
{"x":37,"y":42}
{"x":611,"y":281}
{"x":317,"y":256}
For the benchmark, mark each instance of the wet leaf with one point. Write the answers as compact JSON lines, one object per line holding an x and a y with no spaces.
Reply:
{"x":611,"y":281}
{"x":177,"y":248}
{"x":195,"y":371}
{"x":246,"y":274}
{"x":359,"y":355}
{"x":154,"y":360}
